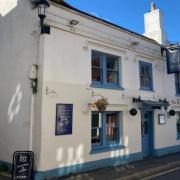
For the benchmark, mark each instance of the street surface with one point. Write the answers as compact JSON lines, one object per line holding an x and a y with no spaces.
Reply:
{"x":4,"y":177}
{"x":173,"y":175}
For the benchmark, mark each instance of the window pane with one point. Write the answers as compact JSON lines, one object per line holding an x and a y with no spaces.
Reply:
{"x":96,"y":59}
{"x":111,"y":63}
{"x":111,"y":127}
{"x":178,"y":122}
{"x":177,"y":83}
{"x":96,"y":74}
{"x":145,"y":76}
{"x":96,"y":120}
{"x":146,"y":81}
{"x":96,"y":66}
{"x":96,"y":135}
{"x":112,"y":134}
{"x":96,"y":131}
{"x":112,"y":77}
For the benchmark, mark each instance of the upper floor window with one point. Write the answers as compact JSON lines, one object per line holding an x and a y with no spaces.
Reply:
{"x":177,"y":83}
{"x":146,"y":79}
{"x":105,"y":69}
{"x":178,"y":124}
{"x":105,"y":129}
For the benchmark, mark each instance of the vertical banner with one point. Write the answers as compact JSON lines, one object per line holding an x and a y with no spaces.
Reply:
{"x":173,"y":60}
{"x":63,"y":119}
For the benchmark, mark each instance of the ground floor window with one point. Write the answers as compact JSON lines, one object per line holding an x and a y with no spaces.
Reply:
{"x":105,"y":129}
{"x":178,"y":124}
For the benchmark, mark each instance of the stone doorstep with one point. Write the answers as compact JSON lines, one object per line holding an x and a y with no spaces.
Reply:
{"x":150,"y":172}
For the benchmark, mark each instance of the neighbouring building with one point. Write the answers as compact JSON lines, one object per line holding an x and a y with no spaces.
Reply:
{"x":84,"y":60}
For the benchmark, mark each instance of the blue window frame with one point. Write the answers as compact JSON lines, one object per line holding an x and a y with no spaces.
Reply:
{"x":105,"y":129}
{"x":146,"y":78}
{"x":178,"y":124}
{"x":177,"y":83}
{"x":105,"y":70}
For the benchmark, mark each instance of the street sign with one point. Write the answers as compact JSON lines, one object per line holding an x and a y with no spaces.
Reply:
{"x":23,"y":165}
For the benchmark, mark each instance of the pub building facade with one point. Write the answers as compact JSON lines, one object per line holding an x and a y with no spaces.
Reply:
{"x":84,"y":93}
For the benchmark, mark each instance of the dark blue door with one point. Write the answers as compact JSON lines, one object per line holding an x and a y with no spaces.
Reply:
{"x":146,"y":133}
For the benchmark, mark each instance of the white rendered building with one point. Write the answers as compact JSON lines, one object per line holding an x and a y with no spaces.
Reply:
{"x":82,"y":59}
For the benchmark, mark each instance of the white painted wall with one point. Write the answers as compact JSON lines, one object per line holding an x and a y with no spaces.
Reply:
{"x":67,"y":71}
{"x":18,"y":51}
{"x":64,"y":60}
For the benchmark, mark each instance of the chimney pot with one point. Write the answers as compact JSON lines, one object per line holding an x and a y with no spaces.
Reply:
{"x":153,"y":6}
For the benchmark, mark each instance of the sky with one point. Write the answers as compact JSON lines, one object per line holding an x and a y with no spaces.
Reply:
{"x":130,"y":13}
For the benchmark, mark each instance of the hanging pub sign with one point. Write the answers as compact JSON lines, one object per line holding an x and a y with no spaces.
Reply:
{"x":173,"y":60}
{"x":23,"y":165}
{"x":63,"y":119}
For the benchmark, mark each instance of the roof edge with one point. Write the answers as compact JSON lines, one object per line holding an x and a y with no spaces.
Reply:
{"x":65,"y":4}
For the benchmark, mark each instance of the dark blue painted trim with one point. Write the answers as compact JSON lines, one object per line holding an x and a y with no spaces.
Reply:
{"x":167,"y":150}
{"x":150,"y":90}
{"x":103,"y":83}
{"x":104,"y":145}
{"x":106,"y":149}
{"x":105,"y":86}
{"x":7,"y":164}
{"x":115,"y":161}
{"x":151,"y":131}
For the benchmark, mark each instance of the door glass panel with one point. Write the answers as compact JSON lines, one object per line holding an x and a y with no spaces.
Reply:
{"x":145,"y":115}
{"x":145,"y":127}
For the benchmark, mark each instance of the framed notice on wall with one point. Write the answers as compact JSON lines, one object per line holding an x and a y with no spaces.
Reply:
{"x":63,"y":119}
{"x":161,"y":119}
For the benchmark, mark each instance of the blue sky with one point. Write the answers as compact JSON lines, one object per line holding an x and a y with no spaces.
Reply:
{"x":130,"y":13}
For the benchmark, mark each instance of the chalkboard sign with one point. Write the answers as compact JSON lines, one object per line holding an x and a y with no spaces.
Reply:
{"x":64,"y":119}
{"x":23,"y":165}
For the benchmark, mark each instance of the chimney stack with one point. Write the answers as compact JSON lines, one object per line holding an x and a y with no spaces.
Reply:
{"x":153,"y":22}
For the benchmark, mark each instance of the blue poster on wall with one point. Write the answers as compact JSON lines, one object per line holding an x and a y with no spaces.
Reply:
{"x":64,"y":119}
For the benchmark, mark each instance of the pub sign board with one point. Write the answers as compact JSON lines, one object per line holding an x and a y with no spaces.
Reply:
{"x":64,"y":119}
{"x":23,"y":165}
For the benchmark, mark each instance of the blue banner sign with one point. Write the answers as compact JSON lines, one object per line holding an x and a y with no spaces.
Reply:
{"x":173,"y":60}
{"x":64,"y":119}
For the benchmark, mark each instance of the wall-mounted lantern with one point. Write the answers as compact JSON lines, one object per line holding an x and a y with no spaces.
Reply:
{"x":172,"y":112}
{"x":133,"y":112}
{"x":42,"y":6}
{"x":33,"y":78}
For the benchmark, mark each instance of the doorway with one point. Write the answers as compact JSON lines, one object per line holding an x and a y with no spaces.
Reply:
{"x":147,"y":133}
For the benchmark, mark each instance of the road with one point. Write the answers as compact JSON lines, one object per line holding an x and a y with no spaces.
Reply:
{"x":173,"y":174}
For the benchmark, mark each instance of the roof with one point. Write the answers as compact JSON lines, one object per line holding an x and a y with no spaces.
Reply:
{"x":63,"y":3}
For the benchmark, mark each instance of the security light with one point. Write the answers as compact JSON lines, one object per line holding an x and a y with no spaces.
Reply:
{"x":74,"y":22}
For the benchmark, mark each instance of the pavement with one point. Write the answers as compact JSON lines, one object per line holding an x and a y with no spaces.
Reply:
{"x":132,"y":171}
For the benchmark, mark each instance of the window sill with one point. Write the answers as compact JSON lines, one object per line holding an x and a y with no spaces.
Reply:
{"x":178,"y":137}
{"x":149,"y":90}
{"x":106,"y":149}
{"x":103,"y":86}
{"x":178,"y":95}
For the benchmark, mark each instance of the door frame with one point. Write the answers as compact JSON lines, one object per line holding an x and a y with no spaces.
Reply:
{"x":151,"y":132}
